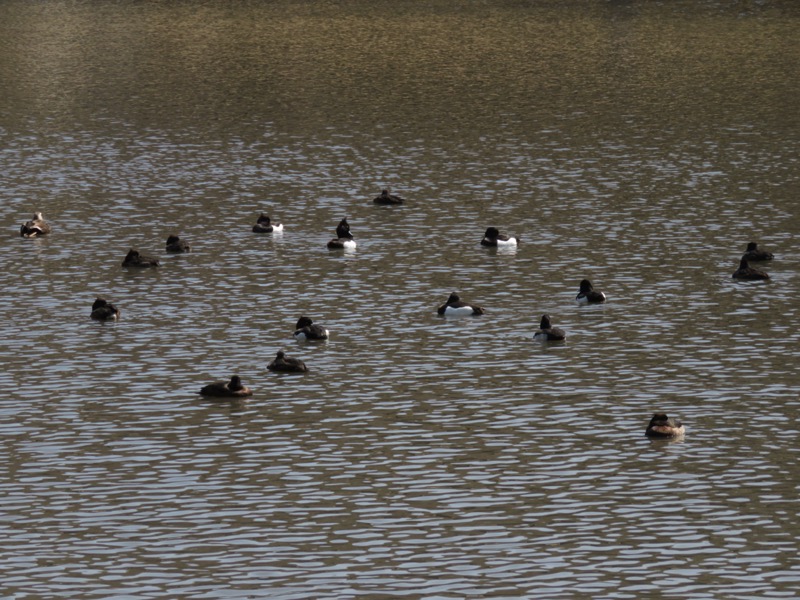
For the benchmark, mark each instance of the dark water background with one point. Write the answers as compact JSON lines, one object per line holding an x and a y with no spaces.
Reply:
{"x":640,"y":144}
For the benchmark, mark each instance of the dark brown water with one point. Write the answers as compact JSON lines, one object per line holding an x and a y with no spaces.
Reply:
{"x":638,"y":144}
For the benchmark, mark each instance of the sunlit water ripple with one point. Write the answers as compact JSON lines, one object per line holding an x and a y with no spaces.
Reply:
{"x":420,"y":456}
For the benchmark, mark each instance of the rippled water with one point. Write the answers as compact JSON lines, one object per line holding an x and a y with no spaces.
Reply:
{"x":638,"y":144}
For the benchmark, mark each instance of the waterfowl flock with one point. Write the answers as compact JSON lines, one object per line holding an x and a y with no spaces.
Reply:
{"x":660,"y":426}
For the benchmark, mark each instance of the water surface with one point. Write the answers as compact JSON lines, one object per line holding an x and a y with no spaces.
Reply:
{"x":638,"y":144}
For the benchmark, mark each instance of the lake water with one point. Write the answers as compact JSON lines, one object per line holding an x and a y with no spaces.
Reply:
{"x":638,"y":144}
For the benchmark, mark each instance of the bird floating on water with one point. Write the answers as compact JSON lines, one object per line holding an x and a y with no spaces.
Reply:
{"x":135,"y":259}
{"x":388,"y":199}
{"x":36,"y":227}
{"x":344,"y":239}
{"x":548,"y":333}
{"x":287,"y":364}
{"x":265,"y":225}
{"x":588,"y":295}
{"x":176,"y":245}
{"x":455,"y":307}
{"x":103,"y":310}
{"x":306,"y":329}
{"x":227,"y":389}
{"x":493,"y":238}
{"x":747,"y":273}
{"x":753,"y":254}
{"x":662,"y":426}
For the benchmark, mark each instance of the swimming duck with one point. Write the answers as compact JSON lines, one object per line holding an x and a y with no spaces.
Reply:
{"x":177,"y":245}
{"x":753,"y":254}
{"x":344,"y":239}
{"x":388,"y":199}
{"x":661,"y":426}
{"x":103,"y":310}
{"x":548,"y":333}
{"x":455,"y":307}
{"x":265,"y":225}
{"x":494,"y":238}
{"x":748,"y":273}
{"x":135,"y":259}
{"x":306,"y":329}
{"x":588,"y":295}
{"x":230,"y":389}
{"x":35,"y":227}
{"x":286,"y":364}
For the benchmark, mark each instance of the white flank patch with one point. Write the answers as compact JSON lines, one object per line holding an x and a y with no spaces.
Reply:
{"x":458,"y":312}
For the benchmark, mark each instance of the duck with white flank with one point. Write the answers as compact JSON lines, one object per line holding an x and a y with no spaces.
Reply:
{"x":387,"y":199}
{"x":494,"y":239}
{"x":454,"y":307}
{"x":747,"y":273}
{"x":287,"y":364}
{"x":662,"y":426}
{"x":135,"y":259}
{"x":265,"y":225}
{"x":226,"y":389}
{"x":344,"y":239}
{"x":588,"y":295}
{"x":753,"y":254}
{"x":548,"y":333}
{"x":103,"y":310}
{"x":306,"y":329}
{"x":176,"y":245}
{"x":36,"y":227}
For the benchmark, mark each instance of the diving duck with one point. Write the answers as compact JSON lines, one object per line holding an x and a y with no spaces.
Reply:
{"x":230,"y":389}
{"x":662,"y":426}
{"x":588,"y":295}
{"x":35,"y":227}
{"x":286,"y":364}
{"x":455,"y":307}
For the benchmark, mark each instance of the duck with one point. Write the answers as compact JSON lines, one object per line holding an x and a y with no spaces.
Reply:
{"x":177,"y":245}
{"x":287,"y":364}
{"x":36,"y":227}
{"x":588,"y":295}
{"x":548,"y":333}
{"x":230,"y":389}
{"x":747,"y":273}
{"x":662,"y":426}
{"x":753,"y":254}
{"x":455,"y":307}
{"x":494,"y":238}
{"x":265,"y":225}
{"x":103,"y":310}
{"x":306,"y":329}
{"x":388,"y":199}
{"x":135,"y":259}
{"x":344,"y":239}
